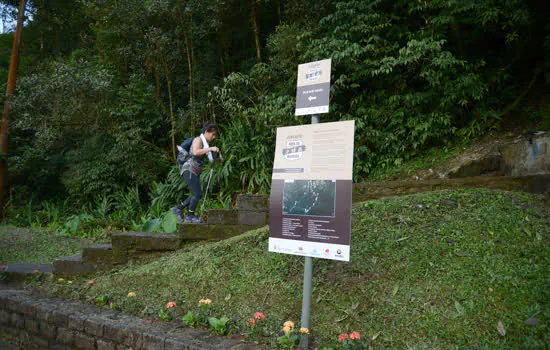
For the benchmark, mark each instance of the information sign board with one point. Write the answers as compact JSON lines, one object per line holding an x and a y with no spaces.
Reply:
{"x":310,"y":202}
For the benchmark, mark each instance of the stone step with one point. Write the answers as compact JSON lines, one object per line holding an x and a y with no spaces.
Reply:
{"x":20,"y":272}
{"x":142,"y":242}
{"x":222,"y":216}
{"x":98,"y":253}
{"x":73,"y":266}
{"x":238,"y":217}
{"x":256,"y":202}
{"x":203,"y":231}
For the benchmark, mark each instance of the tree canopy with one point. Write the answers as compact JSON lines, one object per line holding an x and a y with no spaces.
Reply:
{"x":108,"y":88}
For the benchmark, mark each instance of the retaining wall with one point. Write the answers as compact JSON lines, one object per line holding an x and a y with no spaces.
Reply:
{"x":40,"y":322}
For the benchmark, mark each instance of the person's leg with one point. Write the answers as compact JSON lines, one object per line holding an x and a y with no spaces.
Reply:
{"x":178,"y":210}
{"x":193,"y":181}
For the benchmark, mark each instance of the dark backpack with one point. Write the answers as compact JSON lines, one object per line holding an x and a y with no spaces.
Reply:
{"x":185,"y":154}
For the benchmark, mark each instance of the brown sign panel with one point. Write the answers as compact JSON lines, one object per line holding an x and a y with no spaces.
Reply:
{"x":310,"y":203}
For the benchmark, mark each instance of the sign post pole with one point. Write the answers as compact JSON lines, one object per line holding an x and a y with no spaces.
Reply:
{"x":306,"y":299}
{"x":308,"y":277}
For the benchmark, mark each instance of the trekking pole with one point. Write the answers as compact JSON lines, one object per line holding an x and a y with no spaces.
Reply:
{"x":207,"y":187}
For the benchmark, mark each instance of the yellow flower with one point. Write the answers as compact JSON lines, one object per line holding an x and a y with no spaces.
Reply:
{"x":205,"y":302}
{"x":289,"y":324}
{"x":70,"y":282}
{"x":304,"y":330}
{"x":131,"y":295}
{"x":287,"y":329}
{"x":61,"y":280}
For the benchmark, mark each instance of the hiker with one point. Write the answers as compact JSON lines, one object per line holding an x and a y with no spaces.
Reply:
{"x":190,"y":165}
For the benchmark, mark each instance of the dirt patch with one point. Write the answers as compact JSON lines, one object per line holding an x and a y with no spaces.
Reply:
{"x":504,"y":155}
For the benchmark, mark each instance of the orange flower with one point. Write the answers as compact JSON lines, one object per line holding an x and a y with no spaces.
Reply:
{"x":251,"y":321}
{"x":90,"y":283}
{"x":355,"y":335}
{"x":35,"y":272}
{"x":259,"y":316}
{"x":171,"y":305}
{"x":342,"y":337}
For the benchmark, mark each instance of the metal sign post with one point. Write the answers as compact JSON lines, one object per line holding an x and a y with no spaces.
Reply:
{"x":310,"y":200}
{"x":308,"y":277}
{"x":312,"y":96}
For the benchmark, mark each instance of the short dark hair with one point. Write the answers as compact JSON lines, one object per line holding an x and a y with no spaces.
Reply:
{"x":209,"y":127}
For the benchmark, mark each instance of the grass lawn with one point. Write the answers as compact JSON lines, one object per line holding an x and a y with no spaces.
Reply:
{"x":437,"y":270}
{"x":19,"y":245}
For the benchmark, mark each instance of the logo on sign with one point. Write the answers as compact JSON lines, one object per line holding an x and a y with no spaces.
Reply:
{"x":339,"y":252}
{"x":314,"y":74}
{"x":294,"y":148}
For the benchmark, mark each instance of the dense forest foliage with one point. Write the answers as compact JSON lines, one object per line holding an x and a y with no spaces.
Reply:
{"x":106,"y":89}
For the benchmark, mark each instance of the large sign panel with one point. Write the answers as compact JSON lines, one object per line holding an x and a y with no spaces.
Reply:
{"x":313,"y":88}
{"x":310,"y":202}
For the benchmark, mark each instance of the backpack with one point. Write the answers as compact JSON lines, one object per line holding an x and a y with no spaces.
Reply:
{"x":185,"y":151}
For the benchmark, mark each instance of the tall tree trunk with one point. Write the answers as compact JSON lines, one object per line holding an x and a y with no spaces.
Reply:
{"x":254,"y":19}
{"x":172,"y":117}
{"x":12,"y":78}
{"x":221,"y":50}
{"x":189,"y":52}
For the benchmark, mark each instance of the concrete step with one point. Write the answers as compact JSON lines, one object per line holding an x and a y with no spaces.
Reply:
{"x":222,"y":216}
{"x":194,"y":232}
{"x":141,"y":242}
{"x":98,"y":253}
{"x":255,"y":202}
{"x":73,"y":266}
{"x":21,"y":272}
{"x":238,"y":217}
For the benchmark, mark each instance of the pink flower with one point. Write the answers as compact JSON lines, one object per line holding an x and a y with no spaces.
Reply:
{"x":355,"y":335}
{"x":171,"y":305}
{"x":342,"y":337}
{"x":35,"y":272}
{"x":3,"y":267}
{"x":259,"y":316}
{"x":251,"y":321}
{"x":90,"y":283}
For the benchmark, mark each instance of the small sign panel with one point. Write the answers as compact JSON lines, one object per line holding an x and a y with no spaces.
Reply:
{"x":313,"y":88}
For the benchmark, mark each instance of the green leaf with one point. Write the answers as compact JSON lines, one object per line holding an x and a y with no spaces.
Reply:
{"x":169,"y":222}
{"x":151,"y":225}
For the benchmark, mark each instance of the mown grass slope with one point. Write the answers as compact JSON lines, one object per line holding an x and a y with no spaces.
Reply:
{"x":18,"y":245}
{"x":436,"y":270}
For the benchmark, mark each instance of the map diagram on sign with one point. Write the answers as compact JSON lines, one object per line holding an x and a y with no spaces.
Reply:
{"x":309,"y":197}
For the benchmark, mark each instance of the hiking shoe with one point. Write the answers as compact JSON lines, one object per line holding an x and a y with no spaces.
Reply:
{"x":178,"y":212}
{"x":192,"y":219}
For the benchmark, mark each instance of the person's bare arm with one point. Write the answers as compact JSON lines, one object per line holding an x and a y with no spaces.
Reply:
{"x":197,"y":150}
